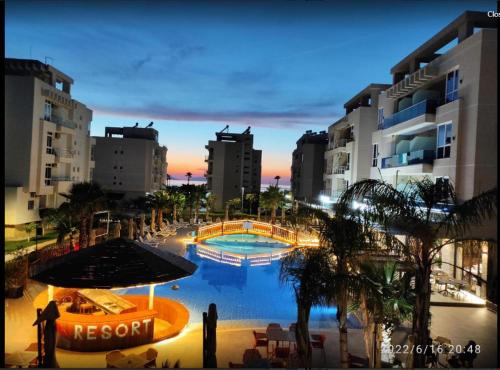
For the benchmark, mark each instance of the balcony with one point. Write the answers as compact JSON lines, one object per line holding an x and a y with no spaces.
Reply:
{"x":63,"y":153}
{"x":60,"y":178}
{"x":418,"y":109}
{"x":340,"y":170}
{"x":59,"y":121}
{"x":409,"y":158}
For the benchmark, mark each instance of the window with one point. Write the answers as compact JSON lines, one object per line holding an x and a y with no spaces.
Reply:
{"x":92,"y":152}
{"x":48,"y":174}
{"x":442,"y":184}
{"x":451,"y":86}
{"x":47,"y":110}
{"x":31,"y":204}
{"x":49,"y":143}
{"x":375,"y":155}
{"x":444,"y":133}
{"x":348,"y":162}
{"x":380,"y":118}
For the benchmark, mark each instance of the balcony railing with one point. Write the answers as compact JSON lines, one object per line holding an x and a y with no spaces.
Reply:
{"x":340,"y":170}
{"x":423,"y":107}
{"x":63,"y":153}
{"x":58,"y":120}
{"x":60,"y":178}
{"x":409,"y":158}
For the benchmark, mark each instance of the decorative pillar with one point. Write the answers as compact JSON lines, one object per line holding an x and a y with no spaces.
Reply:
{"x":131,"y":229}
{"x":151,"y":296}
{"x":117,"y":230}
{"x":92,"y":238}
{"x":143,"y":222}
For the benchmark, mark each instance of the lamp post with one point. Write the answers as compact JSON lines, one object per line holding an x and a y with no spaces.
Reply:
{"x":242,"y":197}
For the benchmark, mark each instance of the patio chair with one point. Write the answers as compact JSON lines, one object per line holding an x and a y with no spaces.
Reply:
{"x":282,"y":353}
{"x":260,"y":340}
{"x":150,"y":355}
{"x":112,"y":357}
{"x":318,"y":341}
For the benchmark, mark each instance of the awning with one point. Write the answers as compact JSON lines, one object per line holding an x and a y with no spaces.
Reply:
{"x":116,"y":263}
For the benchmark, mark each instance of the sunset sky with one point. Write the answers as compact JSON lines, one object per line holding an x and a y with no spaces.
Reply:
{"x":281,"y":67}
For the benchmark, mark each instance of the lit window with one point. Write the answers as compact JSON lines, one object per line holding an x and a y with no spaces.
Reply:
{"x":444,"y":133}
{"x":47,"y":110}
{"x":31,"y":204}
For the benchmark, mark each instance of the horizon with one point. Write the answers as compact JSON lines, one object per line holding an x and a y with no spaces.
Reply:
{"x":193,"y":67}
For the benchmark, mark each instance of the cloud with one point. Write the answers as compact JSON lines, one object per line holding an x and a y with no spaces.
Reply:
{"x":139,"y":63}
{"x":274,"y":119}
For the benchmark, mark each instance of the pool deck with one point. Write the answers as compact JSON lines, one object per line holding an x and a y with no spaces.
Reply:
{"x":460,"y":324}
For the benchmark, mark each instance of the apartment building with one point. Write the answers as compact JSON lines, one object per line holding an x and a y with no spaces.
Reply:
{"x":129,"y":161}
{"x":439,"y":120}
{"x":47,"y":141}
{"x":234,"y":167}
{"x":348,"y":154}
{"x":308,"y":166}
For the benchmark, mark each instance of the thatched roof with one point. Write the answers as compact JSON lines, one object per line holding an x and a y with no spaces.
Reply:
{"x":113,"y":264}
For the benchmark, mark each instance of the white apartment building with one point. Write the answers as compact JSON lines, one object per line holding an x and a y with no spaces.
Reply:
{"x":47,"y":141}
{"x":348,"y":154}
{"x":439,"y":120}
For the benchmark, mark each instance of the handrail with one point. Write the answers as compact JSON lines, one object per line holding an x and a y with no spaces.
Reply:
{"x":415,"y":110}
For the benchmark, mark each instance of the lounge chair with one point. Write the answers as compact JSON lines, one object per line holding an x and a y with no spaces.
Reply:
{"x":260,"y":340}
{"x":151,"y":354}
{"x":112,"y":357}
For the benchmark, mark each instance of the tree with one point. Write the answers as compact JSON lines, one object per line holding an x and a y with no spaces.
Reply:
{"x":346,"y":238}
{"x":386,"y":300}
{"x":28,"y":228}
{"x":85,"y":199}
{"x":277,"y":178}
{"x":410,"y":212}
{"x":271,"y":199}
{"x":210,"y":203}
{"x":189,"y":175}
{"x":177,"y":201}
{"x":251,"y":198}
{"x":162,"y":201}
{"x":168,"y":179}
{"x":231,"y":204}
{"x":307,"y":270}
{"x":61,"y":219}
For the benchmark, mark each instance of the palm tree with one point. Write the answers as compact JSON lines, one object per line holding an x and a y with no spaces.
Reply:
{"x":177,"y":201}
{"x":306,"y":270}
{"x":210,"y":203}
{"x":271,"y":199}
{"x":168,"y":179}
{"x":277,"y":178}
{"x":410,"y":212}
{"x":230,"y":204}
{"x":189,"y":175}
{"x":251,"y":199}
{"x":162,"y":202}
{"x":85,"y":199}
{"x":28,"y":228}
{"x":61,"y":219}
{"x":386,"y":300}
{"x":346,"y":238}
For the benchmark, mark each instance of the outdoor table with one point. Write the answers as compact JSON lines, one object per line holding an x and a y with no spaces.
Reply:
{"x":20,"y":359}
{"x":107,"y":301}
{"x":280,"y":335}
{"x":446,"y":282}
{"x":132,"y":361}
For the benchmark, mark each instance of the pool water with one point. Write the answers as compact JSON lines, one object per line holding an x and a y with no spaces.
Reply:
{"x":240,"y":292}
{"x":245,"y":244}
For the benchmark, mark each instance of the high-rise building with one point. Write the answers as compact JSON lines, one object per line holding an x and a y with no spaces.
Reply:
{"x":439,"y":120}
{"x":47,"y":141}
{"x":234,"y":167}
{"x":130,"y":161}
{"x":308,"y":166}
{"x":348,"y":155}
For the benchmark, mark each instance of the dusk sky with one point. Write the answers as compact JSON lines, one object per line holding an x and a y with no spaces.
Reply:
{"x":281,"y":67}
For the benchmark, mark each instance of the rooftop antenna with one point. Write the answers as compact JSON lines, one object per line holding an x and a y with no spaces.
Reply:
{"x":136,"y":124}
{"x":150,"y":124}
{"x":51,"y":59}
{"x":224,"y":129}
{"x":247,"y":131}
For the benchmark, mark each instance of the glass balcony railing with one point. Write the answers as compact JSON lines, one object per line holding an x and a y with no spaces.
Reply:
{"x":58,"y":120}
{"x":423,"y":107}
{"x":409,"y":158}
{"x":60,"y":178}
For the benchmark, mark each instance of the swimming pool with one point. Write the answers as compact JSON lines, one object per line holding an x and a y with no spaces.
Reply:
{"x":246,"y":244}
{"x":241,"y":293}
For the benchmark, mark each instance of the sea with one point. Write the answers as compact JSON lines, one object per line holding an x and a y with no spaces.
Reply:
{"x":263,"y":187}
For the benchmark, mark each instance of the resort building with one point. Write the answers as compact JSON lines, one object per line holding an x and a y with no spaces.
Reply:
{"x":130,"y":162}
{"x":439,"y":120}
{"x":234,"y":167}
{"x":47,"y":141}
{"x":308,"y":166}
{"x":349,"y":151}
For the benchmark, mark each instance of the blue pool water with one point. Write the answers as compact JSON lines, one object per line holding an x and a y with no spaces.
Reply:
{"x":245,"y":244}
{"x":241,"y":292}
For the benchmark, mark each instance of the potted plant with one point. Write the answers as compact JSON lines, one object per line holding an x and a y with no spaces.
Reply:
{"x":16,"y":274}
